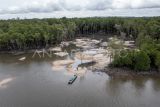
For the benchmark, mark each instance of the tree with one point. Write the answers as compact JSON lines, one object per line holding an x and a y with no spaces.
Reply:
{"x":157,"y":60}
{"x":153,"y":28}
{"x":125,"y":60}
{"x":141,"y":61}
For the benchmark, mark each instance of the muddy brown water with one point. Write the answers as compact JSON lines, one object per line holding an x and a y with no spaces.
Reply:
{"x":33,"y":83}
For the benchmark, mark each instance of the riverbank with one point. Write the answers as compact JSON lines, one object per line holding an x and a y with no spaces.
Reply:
{"x":128,"y":73}
{"x":92,"y":49}
{"x":96,"y":36}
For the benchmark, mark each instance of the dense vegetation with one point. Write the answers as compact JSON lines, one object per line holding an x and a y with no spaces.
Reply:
{"x":147,"y":55}
{"x":138,"y":60}
{"x":25,"y":34}
{"x":18,"y":34}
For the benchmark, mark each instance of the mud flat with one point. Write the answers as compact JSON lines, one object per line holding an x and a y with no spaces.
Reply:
{"x":128,"y":73}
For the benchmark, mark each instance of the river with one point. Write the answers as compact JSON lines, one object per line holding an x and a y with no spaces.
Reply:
{"x":34,"y":83}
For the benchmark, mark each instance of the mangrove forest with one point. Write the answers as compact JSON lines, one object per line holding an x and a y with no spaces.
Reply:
{"x":26,"y":34}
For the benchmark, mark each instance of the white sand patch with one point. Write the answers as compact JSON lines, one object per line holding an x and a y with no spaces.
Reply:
{"x":56,"y":49}
{"x":129,"y":43}
{"x":22,"y":59}
{"x":118,"y":42}
{"x":58,"y":68}
{"x":61,"y":54}
{"x":86,"y":43}
{"x":63,"y":62}
{"x":98,"y":56}
{"x":104,"y":44}
{"x":65,"y":43}
{"x":82,"y":56}
{"x":101,"y":50}
{"x":103,"y":57}
{"x":102,"y":62}
{"x":81,"y":71}
{"x":4,"y":82}
{"x":90,"y":52}
{"x":95,"y":41}
{"x":70,"y":70}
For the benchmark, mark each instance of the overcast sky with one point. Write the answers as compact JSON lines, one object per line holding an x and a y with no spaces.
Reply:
{"x":77,"y":8}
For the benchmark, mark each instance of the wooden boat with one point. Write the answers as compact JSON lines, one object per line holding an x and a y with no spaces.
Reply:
{"x":72,"y":79}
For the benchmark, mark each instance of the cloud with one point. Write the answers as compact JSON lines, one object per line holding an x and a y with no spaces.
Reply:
{"x":98,"y":5}
{"x":135,"y":4}
{"x":49,"y":6}
{"x":34,"y":7}
{"x":70,"y":14}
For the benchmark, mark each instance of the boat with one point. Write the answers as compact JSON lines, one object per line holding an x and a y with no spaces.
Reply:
{"x":72,"y":79}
